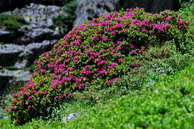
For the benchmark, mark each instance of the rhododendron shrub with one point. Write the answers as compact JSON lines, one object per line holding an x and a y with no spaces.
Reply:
{"x":100,"y":49}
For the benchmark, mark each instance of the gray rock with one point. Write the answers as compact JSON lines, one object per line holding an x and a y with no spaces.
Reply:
{"x":4,"y":32}
{"x":10,"y":77}
{"x":19,"y":57}
{"x":87,"y":9}
{"x":18,"y":75}
{"x":10,"y":54}
{"x":19,"y":48}
{"x":70,"y":117}
{"x":3,"y":115}
{"x":41,"y":26}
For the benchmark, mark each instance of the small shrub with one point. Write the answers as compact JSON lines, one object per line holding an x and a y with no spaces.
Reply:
{"x":102,"y":49}
{"x":151,"y":65}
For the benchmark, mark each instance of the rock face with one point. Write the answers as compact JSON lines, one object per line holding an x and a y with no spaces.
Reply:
{"x":87,"y":9}
{"x":19,"y":48}
{"x":150,"y":5}
{"x":40,"y":21}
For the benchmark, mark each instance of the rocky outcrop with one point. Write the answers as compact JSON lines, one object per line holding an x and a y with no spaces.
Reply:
{"x":40,"y":23}
{"x":87,"y":9}
{"x":15,"y":60}
{"x":20,"y":47}
{"x":150,"y":5}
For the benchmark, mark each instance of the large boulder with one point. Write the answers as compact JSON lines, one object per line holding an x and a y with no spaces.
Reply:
{"x":87,"y":9}
{"x":20,"y":46}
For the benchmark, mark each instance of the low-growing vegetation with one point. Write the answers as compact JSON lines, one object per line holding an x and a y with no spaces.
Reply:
{"x":66,"y":22}
{"x":96,"y":55}
{"x":11,"y":22}
{"x":165,"y":104}
{"x":169,"y":104}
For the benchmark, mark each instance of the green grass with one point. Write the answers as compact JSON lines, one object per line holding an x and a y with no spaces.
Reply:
{"x":11,"y":21}
{"x":168,"y":104}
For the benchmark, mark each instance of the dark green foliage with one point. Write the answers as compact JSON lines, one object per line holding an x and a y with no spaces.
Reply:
{"x":66,"y":22}
{"x":11,"y":22}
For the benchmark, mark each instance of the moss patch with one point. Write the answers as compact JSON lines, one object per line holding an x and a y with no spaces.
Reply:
{"x":11,"y":22}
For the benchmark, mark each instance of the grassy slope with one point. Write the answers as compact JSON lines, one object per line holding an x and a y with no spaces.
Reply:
{"x":168,"y":105}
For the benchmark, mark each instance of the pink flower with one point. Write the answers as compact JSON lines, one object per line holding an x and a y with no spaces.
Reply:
{"x":85,"y":46}
{"x":104,"y":38}
{"x":113,"y":32}
{"x":65,"y":79}
{"x":65,"y":44}
{"x":56,"y":76}
{"x":29,"y":107}
{"x":30,"y":85}
{"x":77,"y":42}
{"x":120,"y":60}
{"x":93,"y":53}
{"x":112,"y":65}
{"x":70,"y":69}
{"x":30,"y":97}
{"x":55,"y":84}
{"x":117,"y":26}
{"x":169,"y":18}
{"x":102,"y":71}
{"x":102,"y":62}
{"x":133,"y":51}
{"x":105,"y":23}
{"x":80,"y":85}
{"x":180,"y":22}
{"x":14,"y":95}
{"x":85,"y":71}
{"x":162,"y":27}
{"x":24,"y":92}
{"x":130,"y":15}
{"x":69,"y":53}
{"x":34,"y":91}
{"x":112,"y":80}
{"x":43,"y":70}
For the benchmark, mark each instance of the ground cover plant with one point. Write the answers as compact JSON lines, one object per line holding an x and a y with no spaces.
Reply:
{"x":169,"y":104}
{"x":103,"y":49}
{"x":11,"y":22}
